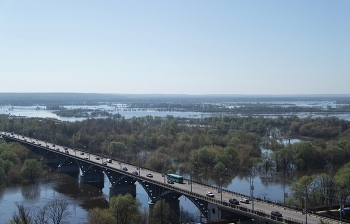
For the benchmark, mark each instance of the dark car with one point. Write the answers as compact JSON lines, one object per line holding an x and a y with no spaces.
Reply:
{"x":233,"y":201}
{"x":104,"y":163}
{"x":149,"y":175}
{"x":125,"y":169}
{"x":81,"y":153}
{"x":97,"y":158}
{"x":170,"y":182}
{"x":135,"y":172}
{"x":276,"y":213}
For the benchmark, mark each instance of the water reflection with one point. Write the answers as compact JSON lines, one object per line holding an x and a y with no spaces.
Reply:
{"x":2,"y":190}
{"x":89,"y":196}
{"x":30,"y":192}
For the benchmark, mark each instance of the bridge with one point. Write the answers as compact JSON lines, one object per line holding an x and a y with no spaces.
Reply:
{"x":122,"y":177}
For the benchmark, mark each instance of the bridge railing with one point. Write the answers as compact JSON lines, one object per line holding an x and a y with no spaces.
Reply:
{"x":242,"y":209}
{"x":240,"y":195}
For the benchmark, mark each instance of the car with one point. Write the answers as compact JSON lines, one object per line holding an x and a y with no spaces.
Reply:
{"x":86,"y":157}
{"x":244,"y":200}
{"x":57,"y":149}
{"x":66,"y":151}
{"x":210,"y":194}
{"x":149,"y":175}
{"x":109,"y":160}
{"x":97,"y":158}
{"x":104,"y":163}
{"x":125,"y":169}
{"x":81,"y":153}
{"x":233,"y":201}
{"x":170,"y":182}
{"x":276,"y":213}
{"x":135,"y":172}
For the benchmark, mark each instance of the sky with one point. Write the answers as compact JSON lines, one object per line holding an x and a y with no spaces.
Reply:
{"x":190,"y":47}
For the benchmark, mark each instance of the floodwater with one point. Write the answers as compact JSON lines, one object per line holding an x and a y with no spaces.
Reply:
{"x":81,"y":198}
{"x":37,"y":195}
{"x":41,"y":112}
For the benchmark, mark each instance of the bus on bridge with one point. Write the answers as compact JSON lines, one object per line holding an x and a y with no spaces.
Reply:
{"x":175,"y":178}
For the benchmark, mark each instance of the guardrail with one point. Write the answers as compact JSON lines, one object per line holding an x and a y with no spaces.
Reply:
{"x":241,"y":209}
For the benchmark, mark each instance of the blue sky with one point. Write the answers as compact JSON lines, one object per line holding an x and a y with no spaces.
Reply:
{"x":175,"y":47}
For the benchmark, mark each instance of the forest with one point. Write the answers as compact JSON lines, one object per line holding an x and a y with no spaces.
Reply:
{"x":211,"y":143}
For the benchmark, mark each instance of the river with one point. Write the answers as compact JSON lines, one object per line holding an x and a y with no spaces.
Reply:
{"x":83,"y":197}
{"x":41,"y":112}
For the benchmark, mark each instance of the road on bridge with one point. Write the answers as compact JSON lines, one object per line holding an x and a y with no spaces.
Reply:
{"x":196,"y":188}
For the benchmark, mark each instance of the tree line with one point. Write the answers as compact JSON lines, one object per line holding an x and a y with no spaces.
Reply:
{"x":232,"y":142}
{"x":322,"y":189}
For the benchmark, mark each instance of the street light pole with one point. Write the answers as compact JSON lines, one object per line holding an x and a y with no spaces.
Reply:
{"x":305,"y":205}
{"x":139,"y":167}
{"x":305,"y":212}
{"x":252,"y":193}
{"x":192,"y":173}
{"x":89,"y":147}
{"x":221,"y":183}
{"x":341,"y":210}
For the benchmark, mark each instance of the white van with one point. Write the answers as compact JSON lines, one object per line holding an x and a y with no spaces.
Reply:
{"x":109,"y":161}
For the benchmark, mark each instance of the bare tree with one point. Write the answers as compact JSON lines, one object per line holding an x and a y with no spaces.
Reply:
{"x":57,"y":210}
{"x":41,"y":216}
{"x":23,"y":215}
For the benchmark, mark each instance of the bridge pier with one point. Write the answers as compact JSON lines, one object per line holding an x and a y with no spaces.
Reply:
{"x":150,"y":208}
{"x":125,"y":188}
{"x":174,"y":204}
{"x":214,"y":213}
